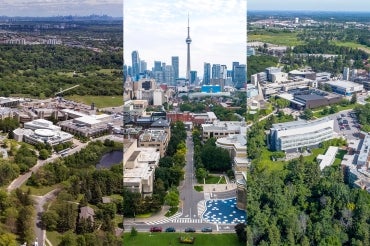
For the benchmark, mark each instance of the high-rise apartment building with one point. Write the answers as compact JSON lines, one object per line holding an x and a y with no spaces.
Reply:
{"x":233,"y":70}
{"x":240,"y":76}
{"x":216,"y":71}
{"x":207,"y":74}
{"x":175,"y":66}
{"x":193,"y":77}
{"x":135,"y":64}
{"x":143,"y":66}
{"x":157,"y":66}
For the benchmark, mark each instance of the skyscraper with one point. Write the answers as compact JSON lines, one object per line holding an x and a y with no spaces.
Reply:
{"x":193,"y":77}
{"x":188,"y":42}
{"x":175,"y":66}
{"x":207,"y":74}
{"x":135,"y":64}
{"x":233,"y":70}
{"x":143,"y":66}
{"x":240,"y":76}
{"x":216,"y":71}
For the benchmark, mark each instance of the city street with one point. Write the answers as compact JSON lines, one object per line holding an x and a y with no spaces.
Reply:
{"x":192,"y":203}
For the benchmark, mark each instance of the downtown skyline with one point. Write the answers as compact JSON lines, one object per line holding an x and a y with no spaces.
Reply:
{"x":159,"y":31}
{"x":48,"y":8}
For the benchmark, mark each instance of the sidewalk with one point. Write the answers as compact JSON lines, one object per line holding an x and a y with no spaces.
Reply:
{"x":218,"y":187}
{"x":155,"y":217}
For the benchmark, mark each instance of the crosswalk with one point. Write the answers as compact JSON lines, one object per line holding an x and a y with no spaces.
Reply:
{"x":178,"y":220}
{"x":176,"y":217}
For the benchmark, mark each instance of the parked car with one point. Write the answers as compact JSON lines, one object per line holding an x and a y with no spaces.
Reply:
{"x":207,"y":229}
{"x":155,"y":229}
{"x":170,"y":229}
{"x":189,"y":229}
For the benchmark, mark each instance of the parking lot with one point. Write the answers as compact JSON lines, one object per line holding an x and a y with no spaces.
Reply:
{"x":346,"y":124}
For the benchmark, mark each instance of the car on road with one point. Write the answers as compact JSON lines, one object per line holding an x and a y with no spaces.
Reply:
{"x":348,"y":128}
{"x":155,"y":229}
{"x":207,"y":229}
{"x":189,"y":229}
{"x":170,"y":229}
{"x":342,"y":115}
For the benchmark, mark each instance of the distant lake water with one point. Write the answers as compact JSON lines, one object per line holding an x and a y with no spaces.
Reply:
{"x":110,"y":159}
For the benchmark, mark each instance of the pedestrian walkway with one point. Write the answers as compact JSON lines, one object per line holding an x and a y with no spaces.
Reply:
{"x":201,"y":208}
{"x":178,"y":220}
{"x":165,"y":220}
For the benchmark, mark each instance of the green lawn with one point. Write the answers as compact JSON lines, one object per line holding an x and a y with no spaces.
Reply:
{"x":317,"y":112}
{"x":198,"y":188}
{"x":282,"y":38}
{"x":215,"y":180}
{"x":267,"y":162}
{"x":100,"y":101}
{"x":352,"y":45}
{"x":171,"y":211}
{"x":154,"y":239}
{"x":39,"y":191}
{"x":54,"y":237}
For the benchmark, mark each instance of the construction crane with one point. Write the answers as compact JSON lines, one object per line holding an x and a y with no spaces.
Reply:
{"x":70,"y":88}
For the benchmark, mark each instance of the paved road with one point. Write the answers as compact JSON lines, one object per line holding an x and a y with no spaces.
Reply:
{"x":20,"y":180}
{"x":39,"y":206}
{"x":192,"y":204}
{"x":188,"y":195}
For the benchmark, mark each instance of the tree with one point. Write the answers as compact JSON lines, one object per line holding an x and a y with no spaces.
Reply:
{"x":43,"y":154}
{"x":68,"y":239}
{"x":354,"y":98}
{"x":50,"y":220}
{"x":8,"y":239}
{"x":240,"y":232}
{"x":133,"y":232}
{"x":307,"y":114}
{"x":172,"y":199}
{"x":201,"y":173}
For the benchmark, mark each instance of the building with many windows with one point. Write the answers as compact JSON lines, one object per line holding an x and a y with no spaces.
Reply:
{"x":297,"y":134}
{"x":139,"y":167}
{"x":155,"y":138}
{"x":220,"y":129}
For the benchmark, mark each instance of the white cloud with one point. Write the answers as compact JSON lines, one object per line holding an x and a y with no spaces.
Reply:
{"x":158,"y":29}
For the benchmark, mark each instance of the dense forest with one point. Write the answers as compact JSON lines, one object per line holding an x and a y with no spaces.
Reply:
{"x":45,"y":69}
{"x":303,"y":206}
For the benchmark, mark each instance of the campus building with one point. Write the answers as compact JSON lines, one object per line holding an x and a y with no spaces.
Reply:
{"x":220,"y":129}
{"x":41,"y":131}
{"x":155,"y":138}
{"x":346,"y":88}
{"x":297,"y":134}
{"x":236,"y":145}
{"x":139,"y":167}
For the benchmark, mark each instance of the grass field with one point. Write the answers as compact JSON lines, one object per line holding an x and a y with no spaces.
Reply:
{"x":215,"y":180}
{"x":163,"y":238}
{"x":100,"y":101}
{"x":39,"y":191}
{"x":282,"y":38}
{"x":53,"y":236}
{"x":352,"y":45}
{"x":267,"y":162}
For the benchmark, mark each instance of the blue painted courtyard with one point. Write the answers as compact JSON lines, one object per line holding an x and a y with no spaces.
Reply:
{"x":223,"y":212}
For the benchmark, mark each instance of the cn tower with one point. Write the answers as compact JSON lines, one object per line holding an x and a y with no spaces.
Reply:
{"x":188,"y":42}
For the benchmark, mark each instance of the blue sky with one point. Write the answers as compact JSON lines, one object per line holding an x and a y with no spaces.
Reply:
{"x":158,"y":29}
{"x":322,"y":5}
{"x":43,"y":8}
